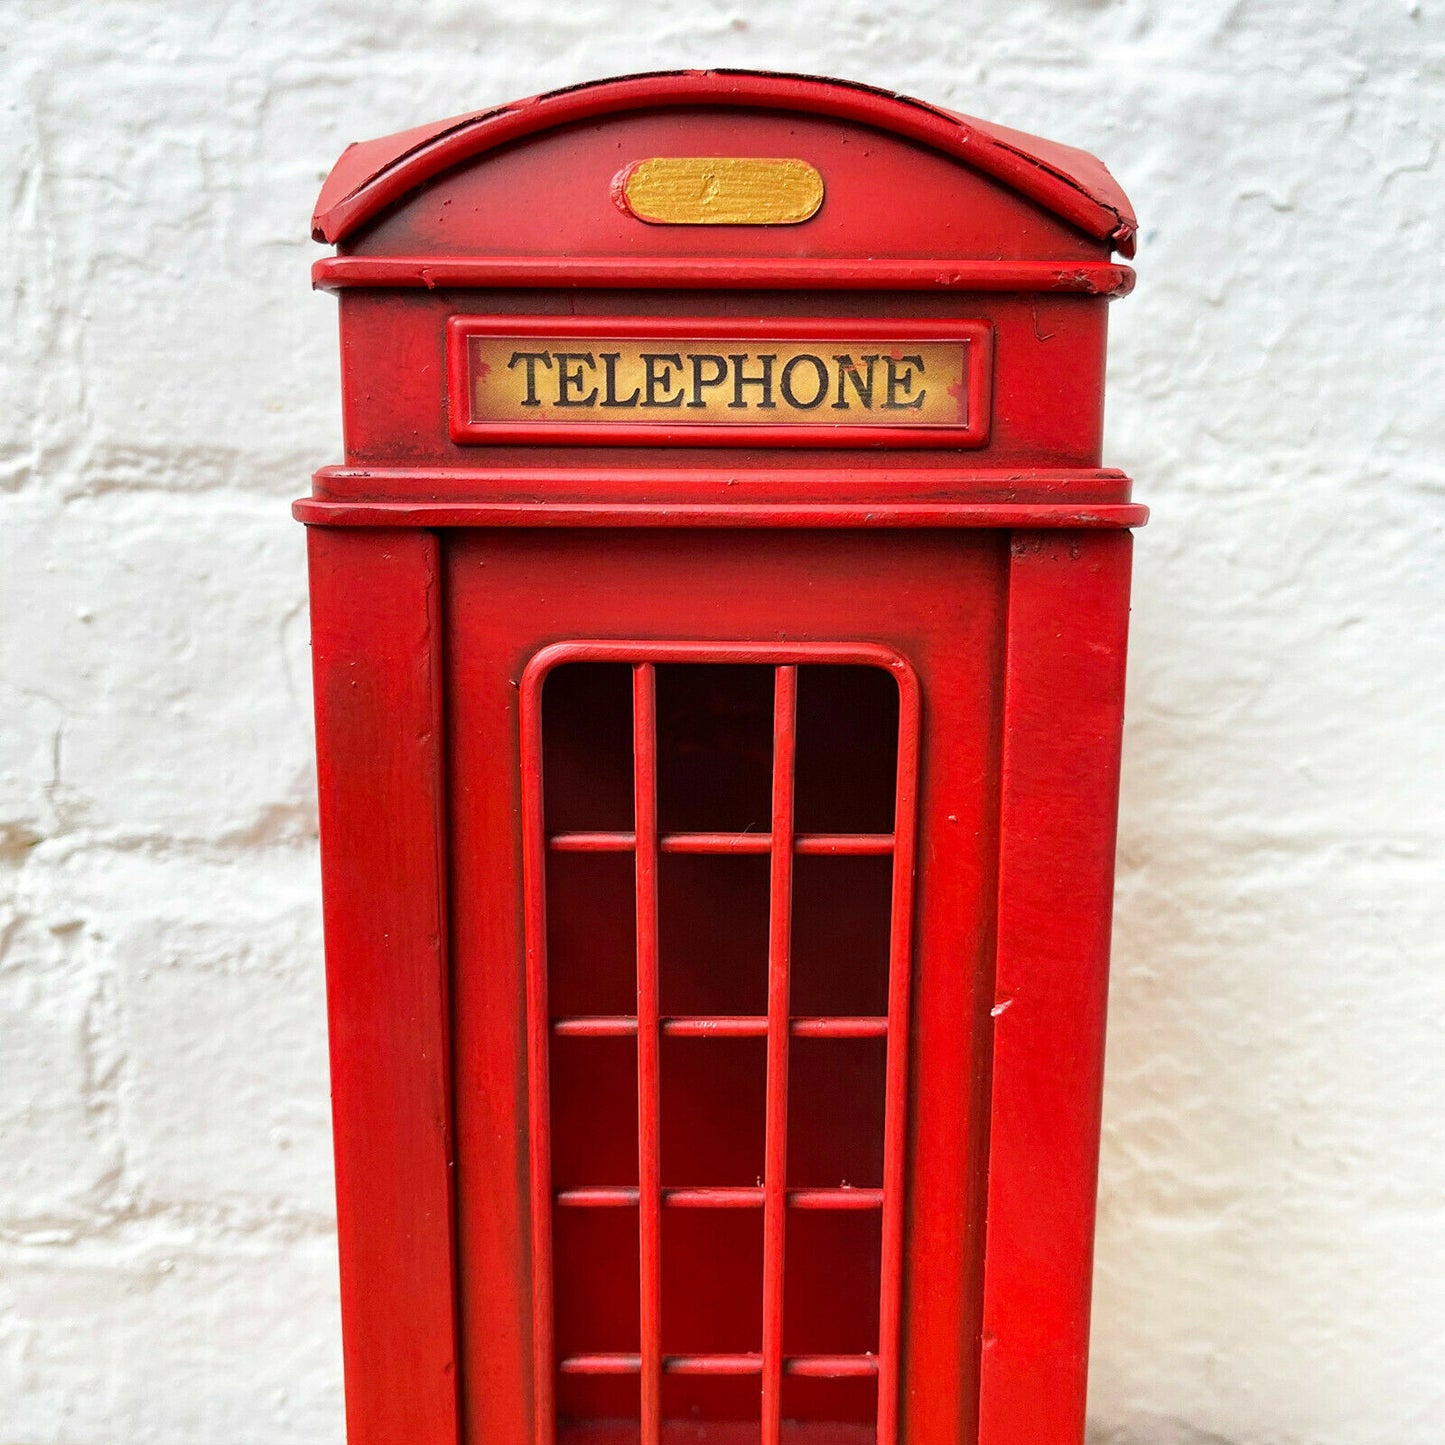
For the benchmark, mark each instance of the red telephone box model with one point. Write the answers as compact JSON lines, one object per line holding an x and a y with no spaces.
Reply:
{"x":719,"y":631}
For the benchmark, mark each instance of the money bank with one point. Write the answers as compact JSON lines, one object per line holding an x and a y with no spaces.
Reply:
{"x":719,"y":618}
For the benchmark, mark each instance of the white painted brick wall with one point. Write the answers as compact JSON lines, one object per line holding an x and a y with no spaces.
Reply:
{"x":1272,"y":1243}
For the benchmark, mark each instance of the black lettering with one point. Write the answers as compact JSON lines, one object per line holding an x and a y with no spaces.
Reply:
{"x":658,"y":367}
{"x":531,"y":358}
{"x":848,"y":371}
{"x":716,"y":379}
{"x":570,"y":376}
{"x":820,"y":371}
{"x":900,"y":378}
{"x":609,"y":368}
{"x":764,"y":381}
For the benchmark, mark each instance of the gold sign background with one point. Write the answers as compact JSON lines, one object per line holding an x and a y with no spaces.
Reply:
{"x":592,"y":380}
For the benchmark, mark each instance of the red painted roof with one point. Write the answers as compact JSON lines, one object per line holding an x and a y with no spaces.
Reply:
{"x":1071,"y":183}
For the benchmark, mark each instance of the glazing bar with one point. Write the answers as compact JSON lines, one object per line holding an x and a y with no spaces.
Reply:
{"x":601,"y":1026}
{"x":780,"y":925}
{"x":741,"y":1026}
{"x":737,"y":1026}
{"x":716,"y":842}
{"x":714,"y":1197}
{"x":746,"y":1196}
{"x":592,"y":842}
{"x":734,"y":1026}
{"x":850,"y":845}
{"x":598,"y":1196}
{"x":649,"y":1175}
{"x":831,"y":1367}
{"x":815,"y":1367}
{"x":539,"y":1107}
{"x":712,"y":1364}
{"x":853,"y":845}
{"x":839,"y":1027}
{"x":845,"y":1198}
{"x":900,"y":972}
{"x":811,"y":844}
{"x":600,"y":1364}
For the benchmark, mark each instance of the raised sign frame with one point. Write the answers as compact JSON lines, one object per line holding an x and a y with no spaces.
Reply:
{"x":895,"y":428}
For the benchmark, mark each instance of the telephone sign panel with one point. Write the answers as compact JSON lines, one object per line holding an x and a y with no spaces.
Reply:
{"x":719,"y":620}
{"x":697,"y":382}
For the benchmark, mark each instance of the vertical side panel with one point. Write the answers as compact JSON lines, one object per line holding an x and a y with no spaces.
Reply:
{"x":1063,"y":711}
{"x":649,"y":1061}
{"x":376,"y":646}
{"x":507,"y":1398}
{"x":960,"y":669}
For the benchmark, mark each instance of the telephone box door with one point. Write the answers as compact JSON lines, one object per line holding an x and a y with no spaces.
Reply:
{"x":724,"y":772}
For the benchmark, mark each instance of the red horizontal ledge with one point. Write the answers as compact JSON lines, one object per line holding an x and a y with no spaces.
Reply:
{"x":730,"y":273}
{"x":1013,"y":515}
{"x":762,"y":481}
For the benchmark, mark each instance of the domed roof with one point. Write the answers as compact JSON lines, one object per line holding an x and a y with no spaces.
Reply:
{"x":1070,"y":183}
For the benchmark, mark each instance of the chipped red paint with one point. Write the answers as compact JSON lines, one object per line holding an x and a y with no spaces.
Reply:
{"x":935,"y":616}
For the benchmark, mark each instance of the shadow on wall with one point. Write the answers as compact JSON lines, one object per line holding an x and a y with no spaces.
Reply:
{"x":1155,"y":1430}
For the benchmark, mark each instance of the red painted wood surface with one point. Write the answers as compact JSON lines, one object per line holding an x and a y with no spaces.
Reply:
{"x":376,"y":649}
{"x":1063,"y":711}
{"x":540,"y":1237}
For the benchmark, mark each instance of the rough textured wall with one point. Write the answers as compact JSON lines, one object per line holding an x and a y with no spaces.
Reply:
{"x":1272,"y":1245}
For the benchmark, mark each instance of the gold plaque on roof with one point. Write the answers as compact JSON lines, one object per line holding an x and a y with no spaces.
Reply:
{"x":719,"y":190}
